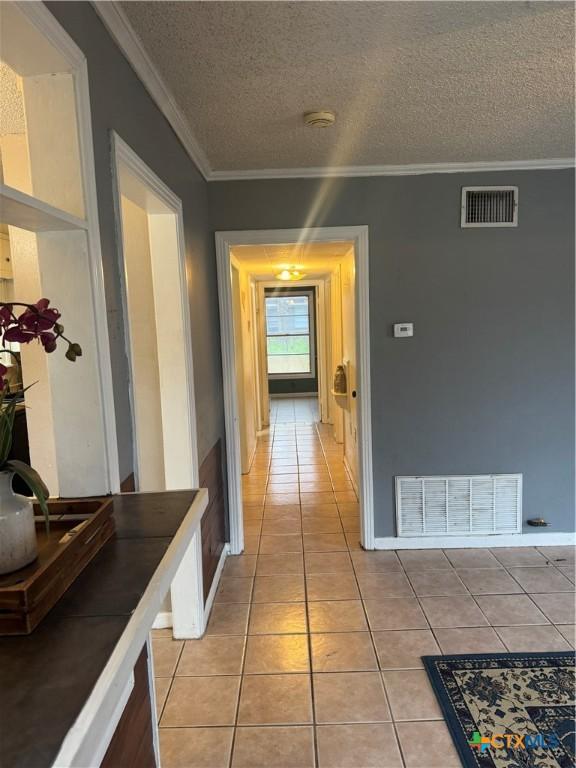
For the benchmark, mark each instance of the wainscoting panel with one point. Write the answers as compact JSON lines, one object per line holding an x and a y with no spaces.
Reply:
{"x":214,"y":519}
{"x":133,"y":740}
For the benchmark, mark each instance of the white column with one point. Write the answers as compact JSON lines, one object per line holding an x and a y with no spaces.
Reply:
{"x":64,"y":417}
{"x":187,"y":593}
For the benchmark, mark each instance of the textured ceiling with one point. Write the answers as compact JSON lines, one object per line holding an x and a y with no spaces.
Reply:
{"x":410,"y":82}
{"x":11,"y":103}
{"x":315,"y":258}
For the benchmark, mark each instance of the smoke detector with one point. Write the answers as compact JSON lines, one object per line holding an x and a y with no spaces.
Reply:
{"x":321,"y":119}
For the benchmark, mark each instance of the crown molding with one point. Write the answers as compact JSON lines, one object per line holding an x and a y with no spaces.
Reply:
{"x":117,"y":23}
{"x":355,"y":171}
{"x":130,"y":44}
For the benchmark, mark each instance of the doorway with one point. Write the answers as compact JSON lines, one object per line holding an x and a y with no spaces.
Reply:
{"x":331,"y":427}
{"x":290,"y":341}
{"x":157,"y":326}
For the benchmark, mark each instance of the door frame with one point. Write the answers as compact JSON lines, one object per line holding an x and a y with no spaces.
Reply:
{"x":320,"y":346}
{"x":124,"y":156}
{"x":186,"y":592}
{"x":225,"y":242}
{"x":262,"y":396}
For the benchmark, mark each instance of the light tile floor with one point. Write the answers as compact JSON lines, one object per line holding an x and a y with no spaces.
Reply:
{"x":312,"y":652}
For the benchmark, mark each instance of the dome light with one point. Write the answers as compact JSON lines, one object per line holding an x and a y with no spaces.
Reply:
{"x":291,"y":274}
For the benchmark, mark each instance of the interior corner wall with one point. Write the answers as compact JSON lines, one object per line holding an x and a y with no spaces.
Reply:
{"x":120,"y":102}
{"x":486,"y":385}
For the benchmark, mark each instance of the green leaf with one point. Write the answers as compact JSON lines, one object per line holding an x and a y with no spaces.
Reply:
{"x":34,"y":483}
{"x":7,"y":413}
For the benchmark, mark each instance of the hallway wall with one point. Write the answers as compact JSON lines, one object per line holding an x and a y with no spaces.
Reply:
{"x":487,"y":383}
{"x":245,"y":364}
{"x":350,"y":431}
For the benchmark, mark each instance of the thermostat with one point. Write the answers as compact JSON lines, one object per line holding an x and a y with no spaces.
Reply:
{"x":403,"y":329}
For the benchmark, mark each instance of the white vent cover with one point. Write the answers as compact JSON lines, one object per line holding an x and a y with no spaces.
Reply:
{"x":489,"y":207}
{"x":458,"y":506}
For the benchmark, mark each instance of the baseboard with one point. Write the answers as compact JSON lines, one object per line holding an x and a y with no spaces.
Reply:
{"x":215,"y":581}
{"x":251,"y":459}
{"x":351,"y":476}
{"x":163,"y":620}
{"x":465,"y":542}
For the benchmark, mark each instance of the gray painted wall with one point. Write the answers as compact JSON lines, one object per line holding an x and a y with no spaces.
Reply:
{"x":487,"y":383}
{"x":120,"y":102}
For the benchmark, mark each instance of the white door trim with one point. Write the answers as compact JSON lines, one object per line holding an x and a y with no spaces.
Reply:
{"x":260,"y":338}
{"x":41,"y":18}
{"x":124,"y":155}
{"x":225,"y":241}
{"x":186,"y":591}
{"x":322,"y":364}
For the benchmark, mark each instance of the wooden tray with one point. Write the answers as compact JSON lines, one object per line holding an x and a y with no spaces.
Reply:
{"x":79,"y":528}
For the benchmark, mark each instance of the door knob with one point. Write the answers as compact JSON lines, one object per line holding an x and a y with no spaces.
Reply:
{"x":354,"y":393}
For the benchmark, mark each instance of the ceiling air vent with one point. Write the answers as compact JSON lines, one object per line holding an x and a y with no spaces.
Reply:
{"x":489,"y":207}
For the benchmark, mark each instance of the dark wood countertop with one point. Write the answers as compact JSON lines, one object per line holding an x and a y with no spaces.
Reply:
{"x":46,"y":677}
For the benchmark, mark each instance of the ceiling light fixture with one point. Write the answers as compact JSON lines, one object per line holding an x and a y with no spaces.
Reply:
{"x":290,"y":274}
{"x":321,"y":119}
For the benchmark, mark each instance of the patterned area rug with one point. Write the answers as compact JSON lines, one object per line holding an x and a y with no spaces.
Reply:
{"x":511,"y":710}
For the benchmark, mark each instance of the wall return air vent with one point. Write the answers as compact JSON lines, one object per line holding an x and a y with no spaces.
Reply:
{"x":459,"y":506}
{"x":489,"y":207}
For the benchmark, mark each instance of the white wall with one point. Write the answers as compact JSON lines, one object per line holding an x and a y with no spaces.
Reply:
{"x":171,"y":342}
{"x":64,"y":407}
{"x":245,"y":363}
{"x":349,"y":358}
{"x":334,"y":292}
{"x":144,"y":350}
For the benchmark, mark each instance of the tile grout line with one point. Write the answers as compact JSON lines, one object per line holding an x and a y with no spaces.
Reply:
{"x":244,"y":653}
{"x":308,"y":628}
{"x":373,"y":644}
{"x":377,"y":657}
{"x":172,"y":678}
{"x":284,"y":438}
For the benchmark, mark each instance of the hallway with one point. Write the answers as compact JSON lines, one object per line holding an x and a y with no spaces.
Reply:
{"x":312,"y":655}
{"x":298,"y":495}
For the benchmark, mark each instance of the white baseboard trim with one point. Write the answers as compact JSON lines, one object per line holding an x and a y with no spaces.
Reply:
{"x":215,"y":582}
{"x":251,"y":460}
{"x":163,"y":620}
{"x":465,"y":542}
{"x":351,"y":476}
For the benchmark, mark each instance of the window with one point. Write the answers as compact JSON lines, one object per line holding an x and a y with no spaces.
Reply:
{"x":290,"y":334}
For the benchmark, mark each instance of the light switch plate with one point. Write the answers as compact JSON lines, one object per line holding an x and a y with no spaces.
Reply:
{"x":402,"y":330}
